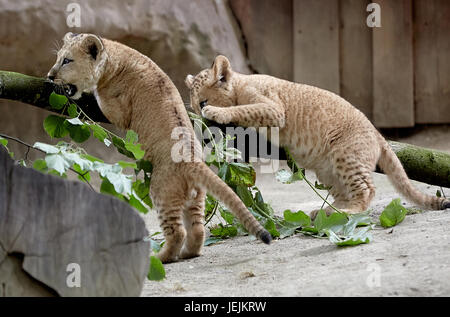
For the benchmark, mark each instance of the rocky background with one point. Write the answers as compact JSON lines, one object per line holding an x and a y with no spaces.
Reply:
{"x":182,"y":37}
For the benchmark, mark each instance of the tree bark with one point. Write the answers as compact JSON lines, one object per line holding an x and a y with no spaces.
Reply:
{"x":424,"y":165}
{"x":421,"y":164}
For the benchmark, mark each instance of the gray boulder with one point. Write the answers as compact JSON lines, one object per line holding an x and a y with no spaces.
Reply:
{"x":58,"y":237}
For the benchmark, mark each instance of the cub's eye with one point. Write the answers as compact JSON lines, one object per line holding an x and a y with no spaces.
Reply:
{"x":203,"y":103}
{"x":66,"y":61}
{"x":222,"y":79}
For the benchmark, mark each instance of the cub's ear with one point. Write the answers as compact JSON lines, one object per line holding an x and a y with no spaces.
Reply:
{"x":92,"y":45}
{"x":222,"y":68}
{"x":189,"y":80}
{"x":68,"y":36}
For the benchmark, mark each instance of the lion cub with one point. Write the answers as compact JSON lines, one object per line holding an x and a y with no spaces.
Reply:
{"x":134,"y":93}
{"x":324,"y":132}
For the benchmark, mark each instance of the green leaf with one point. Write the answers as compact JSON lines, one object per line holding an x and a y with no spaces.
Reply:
{"x":72,"y":110}
{"x":75,"y":158}
{"x":241,"y":174}
{"x":271,"y":227}
{"x":107,"y":188}
{"x":287,"y":177}
{"x":86,"y":174}
{"x":129,"y":147}
{"x":3,"y":141}
{"x":245,"y":194}
{"x":237,"y":174}
{"x":393,"y":214}
{"x":47,"y":148}
{"x":223,"y":231}
{"x":361,"y":219}
{"x":143,"y":165}
{"x":334,"y":222}
{"x":75,"y":121}
{"x":138,"y":153}
{"x":124,"y":164}
{"x":212,"y":240}
{"x":78,"y":133}
{"x":54,"y":126}
{"x":141,"y":189}
{"x":227,"y":216}
{"x":53,"y":172}
{"x":91,"y":158}
{"x":136,"y":203}
{"x":299,"y":218}
{"x":321,"y":186}
{"x":122,"y":183}
{"x":155,"y":245}
{"x":40,"y":166}
{"x":131,"y":137}
{"x":156,"y":271}
{"x":57,"y":101}
{"x":98,"y":132}
{"x":57,"y":162}
{"x":120,"y":146}
{"x":359,"y":237}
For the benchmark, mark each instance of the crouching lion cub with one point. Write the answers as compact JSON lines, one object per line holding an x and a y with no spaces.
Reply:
{"x":134,"y":93}
{"x":324,"y":132}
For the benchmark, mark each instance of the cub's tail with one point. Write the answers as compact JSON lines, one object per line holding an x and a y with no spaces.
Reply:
{"x":393,"y":168}
{"x":217,"y":188}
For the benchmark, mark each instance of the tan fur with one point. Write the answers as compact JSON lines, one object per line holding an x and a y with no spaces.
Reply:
{"x":324,"y":132}
{"x":134,"y":93}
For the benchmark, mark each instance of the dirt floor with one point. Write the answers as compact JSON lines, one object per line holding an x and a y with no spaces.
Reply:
{"x":412,"y":259}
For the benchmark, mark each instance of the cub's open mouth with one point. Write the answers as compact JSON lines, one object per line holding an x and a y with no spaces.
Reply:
{"x":70,"y":90}
{"x":65,"y":89}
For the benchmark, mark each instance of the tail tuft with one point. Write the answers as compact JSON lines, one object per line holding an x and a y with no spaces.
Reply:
{"x":265,"y":237}
{"x":446,"y":204}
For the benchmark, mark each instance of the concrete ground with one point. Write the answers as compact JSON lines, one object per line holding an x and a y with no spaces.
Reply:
{"x":412,"y":259}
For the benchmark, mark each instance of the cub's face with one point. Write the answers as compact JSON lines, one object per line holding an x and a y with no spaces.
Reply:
{"x":78,"y":64}
{"x":212,"y":86}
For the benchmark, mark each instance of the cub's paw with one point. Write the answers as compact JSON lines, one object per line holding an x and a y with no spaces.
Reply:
{"x":165,"y":257}
{"x":186,"y":254}
{"x":216,"y":114}
{"x":314,"y":213}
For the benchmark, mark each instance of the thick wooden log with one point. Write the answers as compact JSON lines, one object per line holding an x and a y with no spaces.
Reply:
{"x":36,"y":91}
{"x":424,"y":165}
{"x":421,"y":164}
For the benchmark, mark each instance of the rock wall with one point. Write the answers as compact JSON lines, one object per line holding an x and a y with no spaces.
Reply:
{"x":48,"y":226}
{"x":181,"y":36}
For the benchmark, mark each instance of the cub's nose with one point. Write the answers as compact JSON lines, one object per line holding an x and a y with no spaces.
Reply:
{"x":51,"y":77}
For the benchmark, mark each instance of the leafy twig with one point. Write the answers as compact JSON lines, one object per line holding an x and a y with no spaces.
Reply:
{"x":29,"y":146}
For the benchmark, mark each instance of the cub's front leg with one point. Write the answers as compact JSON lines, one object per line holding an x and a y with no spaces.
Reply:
{"x":252,"y":115}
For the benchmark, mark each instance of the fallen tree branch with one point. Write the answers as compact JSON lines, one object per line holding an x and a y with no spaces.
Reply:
{"x":36,"y":91}
{"x":421,"y":164}
{"x":424,"y":165}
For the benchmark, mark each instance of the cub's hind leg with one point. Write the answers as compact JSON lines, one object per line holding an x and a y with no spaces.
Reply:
{"x":352,"y":192}
{"x":169,"y":201}
{"x":352,"y":171}
{"x":194,"y":224}
{"x":351,"y":182}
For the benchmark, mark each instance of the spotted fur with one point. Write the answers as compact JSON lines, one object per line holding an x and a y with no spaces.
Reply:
{"x":134,"y":93}
{"x":324,"y":132}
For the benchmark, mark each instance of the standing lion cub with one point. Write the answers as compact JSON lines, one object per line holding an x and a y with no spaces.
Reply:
{"x":134,"y":93}
{"x":324,"y":132}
